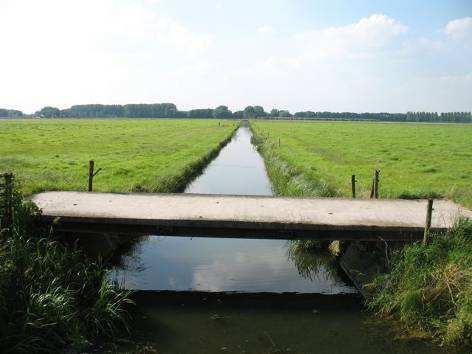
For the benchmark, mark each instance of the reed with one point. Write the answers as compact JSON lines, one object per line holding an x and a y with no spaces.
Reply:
{"x":51,"y":296}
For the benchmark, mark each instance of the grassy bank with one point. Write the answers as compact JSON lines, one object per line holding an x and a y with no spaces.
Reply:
{"x":318,"y":158}
{"x":136,"y":155}
{"x":288,"y":180}
{"x":429,"y":288}
{"x":53,"y":297}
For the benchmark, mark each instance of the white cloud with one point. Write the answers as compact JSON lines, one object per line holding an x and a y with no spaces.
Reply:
{"x":359,"y":39}
{"x":65,"y":52}
{"x":174,"y":33}
{"x":327,"y":52}
{"x":460,"y":29}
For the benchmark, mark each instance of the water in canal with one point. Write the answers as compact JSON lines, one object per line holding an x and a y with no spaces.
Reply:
{"x":277,"y":303}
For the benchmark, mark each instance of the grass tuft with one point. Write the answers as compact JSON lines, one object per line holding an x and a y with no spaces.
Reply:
{"x":52,"y":296}
{"x":430,"y":287}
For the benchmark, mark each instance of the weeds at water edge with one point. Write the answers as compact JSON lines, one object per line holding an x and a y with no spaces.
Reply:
{"x":53,"y":297}
{"x":430,"y":287}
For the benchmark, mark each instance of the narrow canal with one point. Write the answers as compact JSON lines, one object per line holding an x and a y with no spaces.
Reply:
{"x":207,"y":295}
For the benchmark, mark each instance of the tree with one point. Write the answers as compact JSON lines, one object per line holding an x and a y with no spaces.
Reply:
{"x":284,"y":114}
{"x":238,"y":114}
{"x":259,"y":112}
{"x":10,"y":113}
{"x":249,"y":112}
{"x":48,"y":112}
{"x":201,"y":113}
{"x":222,"y":112}
{"x":254,"y":112}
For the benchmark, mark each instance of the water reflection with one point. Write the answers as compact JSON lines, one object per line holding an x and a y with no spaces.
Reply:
{"x":238,"y":170}
{"x":310,"y":265}
{"x":218,"y":264}
{"x":204,"y":264}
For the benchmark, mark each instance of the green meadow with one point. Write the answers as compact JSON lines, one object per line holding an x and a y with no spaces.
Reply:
{"x":153,"y":155}
{"x":415,"y":160}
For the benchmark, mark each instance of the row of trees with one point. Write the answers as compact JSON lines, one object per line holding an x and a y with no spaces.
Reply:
{"x":443,"y":117}
{"x":169,"y":110}
{"x":10,"y":113}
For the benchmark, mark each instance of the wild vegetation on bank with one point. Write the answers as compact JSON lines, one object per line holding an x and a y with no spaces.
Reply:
{"x":53,"y":297}
{"x":415,"y":160}
{"x":135,"y":155}
{"x":429,"y":288}
{"x":288,"y":180}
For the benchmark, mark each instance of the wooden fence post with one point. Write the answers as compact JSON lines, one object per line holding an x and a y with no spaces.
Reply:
{"x":377,"y":180}
{"x":374,"y":191}
{"x":429,"y":214}
{"x":7,"y":219}
{"x":353,"y":186}
{"x":90,"y":177}
{"x":92,"y":174}
{"x":372,"y":188}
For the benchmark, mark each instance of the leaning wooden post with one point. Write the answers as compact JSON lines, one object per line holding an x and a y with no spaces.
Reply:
{"x":279,"y":142}
{"x":372,"y":188}
{"x":353,"y":186}
{"x":92,"y":174}
{"x":90,"y":177}
{"x":429,"y":214}
{"x":376,"y":183}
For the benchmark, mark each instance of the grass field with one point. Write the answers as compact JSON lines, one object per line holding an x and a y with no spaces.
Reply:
{"x":135,"y":154}
{"x":318,"y":158}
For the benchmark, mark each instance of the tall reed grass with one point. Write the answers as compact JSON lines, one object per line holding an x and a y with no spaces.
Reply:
{"x":51,"y":296}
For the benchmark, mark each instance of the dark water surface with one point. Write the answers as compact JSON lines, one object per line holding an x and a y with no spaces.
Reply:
{"x":324,"y":316}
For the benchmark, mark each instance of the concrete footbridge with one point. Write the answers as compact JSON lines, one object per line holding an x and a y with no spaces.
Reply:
{"x":244,"y":216}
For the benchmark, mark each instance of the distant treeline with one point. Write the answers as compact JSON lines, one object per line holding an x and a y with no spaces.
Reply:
{"x":169,"y":110}
{"x":10,"y":113}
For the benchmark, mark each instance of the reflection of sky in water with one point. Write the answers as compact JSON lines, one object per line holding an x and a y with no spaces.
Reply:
{"x":238,"y":169}
{"x":212,"y":264}
{"x":180,"y":263}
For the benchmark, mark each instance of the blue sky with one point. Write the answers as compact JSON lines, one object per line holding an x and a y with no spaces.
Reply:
{"x":335,"y":55}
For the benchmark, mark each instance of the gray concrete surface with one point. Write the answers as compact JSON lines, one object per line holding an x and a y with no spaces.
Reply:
{"x":245,"y":216}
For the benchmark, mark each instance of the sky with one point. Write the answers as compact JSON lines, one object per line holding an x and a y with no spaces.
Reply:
{"x":335,"y":55}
